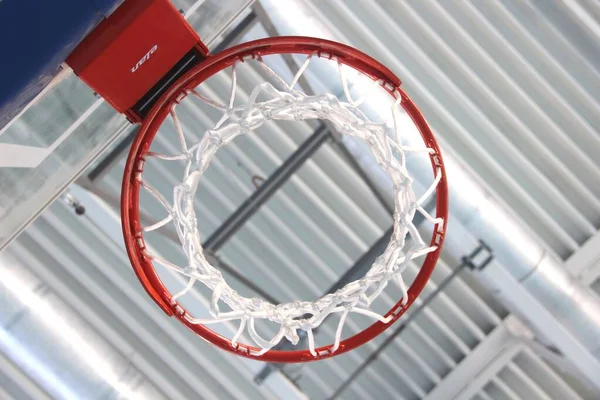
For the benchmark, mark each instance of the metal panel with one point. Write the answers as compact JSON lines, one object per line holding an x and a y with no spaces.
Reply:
{"x":92,"y":274}
{"x":493,"y":68}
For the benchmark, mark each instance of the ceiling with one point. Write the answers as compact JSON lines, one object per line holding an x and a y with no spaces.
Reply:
{"x":510,"y":90}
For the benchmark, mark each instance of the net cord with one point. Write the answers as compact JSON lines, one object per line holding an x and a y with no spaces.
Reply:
{"x":288,"y":103}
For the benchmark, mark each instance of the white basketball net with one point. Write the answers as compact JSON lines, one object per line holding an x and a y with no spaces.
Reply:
{"x":288,"y":103}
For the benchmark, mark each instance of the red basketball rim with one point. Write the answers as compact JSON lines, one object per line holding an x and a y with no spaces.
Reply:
{"x":132,"y":227}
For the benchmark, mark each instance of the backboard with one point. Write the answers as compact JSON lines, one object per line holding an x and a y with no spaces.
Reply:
{"x":66,"y":127}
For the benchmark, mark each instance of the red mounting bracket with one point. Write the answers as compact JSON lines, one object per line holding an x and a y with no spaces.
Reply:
{"x":134,"y":54}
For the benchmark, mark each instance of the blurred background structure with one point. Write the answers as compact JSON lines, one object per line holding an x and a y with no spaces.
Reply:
{"x":511,"y":90}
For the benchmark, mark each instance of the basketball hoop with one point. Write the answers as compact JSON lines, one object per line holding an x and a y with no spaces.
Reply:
{"x":146,"y":61}
{"x":282,"y":100}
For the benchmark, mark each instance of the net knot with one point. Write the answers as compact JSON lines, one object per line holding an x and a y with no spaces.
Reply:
{"x":267,"y":113}
{"x":291,"y":334}
{"x":215,"y":137}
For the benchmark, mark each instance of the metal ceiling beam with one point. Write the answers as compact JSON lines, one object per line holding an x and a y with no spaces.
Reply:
{"x":364,"y":263}
{"x":584,"y":264}
{"x":554,"y":382}
{"x":528,"y":308}
{"x":357,"y":271}
{"x":530,"y":265}
{"x":267,"y":189}
{"x":115,"y":155}
{"x":343,"y":150}
{"x":474,"y":208}
{"x":114,"y":202}
{"x":478,"y":258}
{"x":139,"y":325}
{"x":272,"y":30}
{"x":556,"y":359}
{"x":490,"y":357}
{"x":175,"y":333}
{"x":236,"y":33}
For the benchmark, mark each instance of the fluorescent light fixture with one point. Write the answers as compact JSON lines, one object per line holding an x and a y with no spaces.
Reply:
{"x":29,"y":363}
{"x":57,"y":324}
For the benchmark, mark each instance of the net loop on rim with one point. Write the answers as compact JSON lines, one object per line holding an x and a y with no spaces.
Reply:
{"x":288,"y":103}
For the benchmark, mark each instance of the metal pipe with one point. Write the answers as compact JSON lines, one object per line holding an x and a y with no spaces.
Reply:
{"x":476,"y":213}
{"x":538,"y":269}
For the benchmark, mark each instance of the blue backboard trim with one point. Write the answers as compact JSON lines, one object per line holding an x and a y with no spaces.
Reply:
{"x":36,"y":36}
